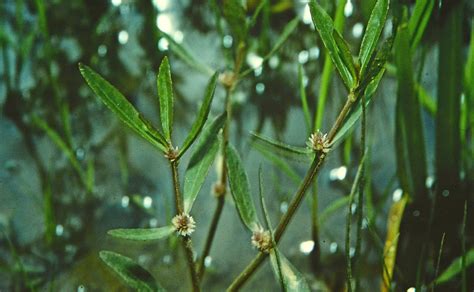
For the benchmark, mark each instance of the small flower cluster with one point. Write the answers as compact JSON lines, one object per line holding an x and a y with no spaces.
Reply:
{"x":172,"y":153}
{"x":262,"y":240}
{"x":184,"y":224}
{"x":319,"y":142}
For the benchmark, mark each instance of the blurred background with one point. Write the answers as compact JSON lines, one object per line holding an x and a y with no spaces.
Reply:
{"x":70,"y":171}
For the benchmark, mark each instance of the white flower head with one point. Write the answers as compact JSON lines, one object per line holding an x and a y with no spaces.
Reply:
{"x":319,"y":142}
{"x":172,"y":153}
{"x":184,"y":224}
{"x":262,"y":240}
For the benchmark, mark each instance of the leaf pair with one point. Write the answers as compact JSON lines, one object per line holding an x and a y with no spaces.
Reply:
{"x":116,"y":102}
{"x":290,"y":278}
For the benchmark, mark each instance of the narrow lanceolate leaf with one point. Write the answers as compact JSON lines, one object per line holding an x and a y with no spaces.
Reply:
{"x":285,"y":34}
{"x":165,"y":94}
{"x":240,"y":189}
{"x":113,"y":99}
{"x":293,"y":152}
{"x":142,"y":234}
{"x":325,"y":26}
{"x":455,"y":268}
{"x":372,"y":33}
{"x":201,"y":161}
{"x":304,"y":100}
{"x":391,"y":242}
{"x":409,"y":141}
{"x":202,"y":115}
{"x":132,"y":274}
{"x":234,"y":14}
{"x":293,"y":280}
{"x":418,"y":21}
{"x":181,"y":52}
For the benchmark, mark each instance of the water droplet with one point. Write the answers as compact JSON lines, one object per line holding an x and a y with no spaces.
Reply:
{"x":416,"y":213}
{"x":178,"y":36}
{"x":348,"y":8}
{"x":143,"y":259}
{"x":59,"y":230}
{"x":445,"y":193}
{"x":357,"y":30}
{"x":125,"y":201}
{"x":254,"y":60}
{"x":164,"y":23}
{"x":306,"y":246}
{"x":153,"y":222}
{"x":258,"y":71}
{"x":397,"y":195}
{"x":167,"y":259}
{"x":314,"y":53}
{"x":353,"y":208}
{"x":429,"y":182}
{"x":303,"y":57}
{"x":283,"y":207}
{"x":260,"y":88}
{"x":333,"y":247}
{"x":102,"y":50}
{"x":411,"y":289}
{"x":388,"y":28}
{"x":273,"y":62}
{"x":227,"y":41}
{"x":123,"y":37}
{"x":81,"y":288}
{"x":338,"y":173}
{"x":147,"y":202}
{"x":352,"y":252}
{"x":80,"y":154}
{"x":116,"y":2}
{"x":163,"y":44}
{"x":208,"y":261}
{"x":162,"y":4}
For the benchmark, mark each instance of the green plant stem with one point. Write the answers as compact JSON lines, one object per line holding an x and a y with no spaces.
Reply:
{"x":223,"y":171}
{"x":298,"y":197}
{"x":186,"y":240}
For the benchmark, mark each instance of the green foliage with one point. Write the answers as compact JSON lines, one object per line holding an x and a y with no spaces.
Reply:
{"x":142,"y":234}
{"x":118,"y":104}
{"x":201,"y":161}
{"x":292,"y":279}
{"x":289,"y":151}
{"x":455,"y":268}
{"x":129,"y":272}
{"x":240,"y":189}
{"x":165,"y":94}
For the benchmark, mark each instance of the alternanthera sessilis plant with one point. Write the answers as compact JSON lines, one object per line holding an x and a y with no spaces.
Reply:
{"x":360,"y":76}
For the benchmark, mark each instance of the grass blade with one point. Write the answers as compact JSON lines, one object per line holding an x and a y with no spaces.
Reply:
{"x":165,"y":94}
{"x":234,"y":14}
{"x":201,"y":161}
{"x":142,"y":234}
{"x":418,"y":21}
{"x":130,"y":272}
{"x":409,"y":137}
{"x":456,"y":267}
{"x":372,"y":33}
{"x":240,"y":189}
{"x":202,"y":115}
{"x":324,"y":25}
{"x":118,"y":104}
{"x":304,"y":100}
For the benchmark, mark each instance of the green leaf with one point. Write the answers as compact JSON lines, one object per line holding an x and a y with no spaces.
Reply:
{"x":201,"y":161}
{"x":418,"y":21}
{"x":118,"y":104}
{"x":142,"y":234}
{"x":409,"y":137}
{"x":293,"y":280}
{"x":293,"y":152}
{"x":202,"y":115}
{"x":325,"y":26}
{"x":130,"y":272}
{"x":186,"y":56}
{"x":372,"y":33}
{"x":455,"y":267}
{"x":304,"y":100}
{"x":240,"y":189}
{"x":165,"y":93}
{"x":234,"y":13}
